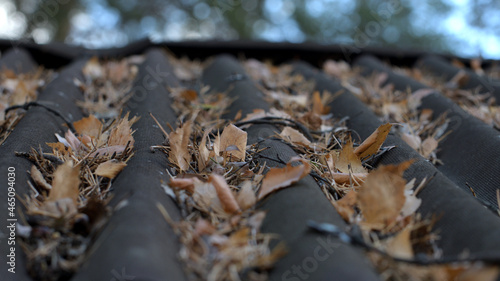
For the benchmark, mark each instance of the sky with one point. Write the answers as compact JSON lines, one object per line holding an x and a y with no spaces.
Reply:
{"x":95,"y":26}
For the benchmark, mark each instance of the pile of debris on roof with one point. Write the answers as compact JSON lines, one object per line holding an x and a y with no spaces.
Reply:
{"x":180,"y":162}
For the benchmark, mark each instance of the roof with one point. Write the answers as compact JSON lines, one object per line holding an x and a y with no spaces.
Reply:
{"x":461,"y":194}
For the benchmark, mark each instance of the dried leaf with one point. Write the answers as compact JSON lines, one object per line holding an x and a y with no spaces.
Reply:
{"x":38,"y":178}
{"x":203,"y":152}
{"x":345,"y":206}
{"x":246,"y":196}
{"x":428,"y":146}
{"x":110,"y":168}
{"x":233,"y":135}
{"x":318,"y":106}
{"x":348,"y":161}
{"x":226,"y":196}
{"x":89,"y":126}
{"x":65,"y":183}
{"x":179,"y":141}
{"x":400,"y":245}
{"x":278,"y":178}
{"x":122,"y":133}
{"x":345,"y":178}
{"x":373,"y":143}
{"x":294,"y":136}
{"x":63,"y":197}
{"x":382,"y":196}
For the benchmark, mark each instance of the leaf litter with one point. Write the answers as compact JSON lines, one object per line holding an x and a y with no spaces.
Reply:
{"x":16,"y":90}
{"x":380,"y":201}
{"x":71,"y":183}
{"x":415,"y":126}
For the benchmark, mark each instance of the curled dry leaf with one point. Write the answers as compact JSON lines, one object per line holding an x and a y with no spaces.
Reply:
{"x":226,"y":196}
{"x":38,"y":178}
{"x":179,"y":141}
{"x":382,"y":196}
{"x":234,"y":136}
{"x":373,"y":143}
{"x":110,"y":169}
{"x":318,"y":106}
{"x":278,"y":178}
{"x":294,"y":136}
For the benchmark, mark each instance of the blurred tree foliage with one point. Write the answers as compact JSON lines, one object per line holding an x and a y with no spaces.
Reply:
{"x":403,"y":23}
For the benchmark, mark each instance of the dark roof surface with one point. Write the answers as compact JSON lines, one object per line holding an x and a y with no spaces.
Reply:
{"x":138,"y":238}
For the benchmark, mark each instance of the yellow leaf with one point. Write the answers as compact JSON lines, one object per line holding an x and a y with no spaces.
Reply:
{"x":373,"y":143}
{"x":110,"y":168}
{"x":278,"y":178}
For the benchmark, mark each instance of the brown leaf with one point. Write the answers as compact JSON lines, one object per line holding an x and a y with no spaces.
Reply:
{"x":179,"y":141}
{"x":234,"y":136}
{"x":318,"y":106}
{"x":428,"y":146}
{"x":189,"y":95}
{"x":345,"y":206}
{"x":88,"y":126}
{"x":382,"y":196}
{"x":348,"y":161}
{"x":65,"y":183}
{"x":226,"y":196}
{"x":246,"y":196}
{"x":278,"y":178}
{"x":110,"y":168}
{"x":63,"y":197}
{"x":373,"y":143}
{"x":183,"y":184}
{"x":345,"y":178}
{"x":294,"y":136}
{"x":203,"y":152}
{"x":122,"y":133}
{"x":400,"y":245}
{"x":38,"y":178}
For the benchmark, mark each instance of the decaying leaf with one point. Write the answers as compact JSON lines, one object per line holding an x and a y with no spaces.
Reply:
{"x":38,"y":178}
{"x":372,"y":144}
{"x":179,"y":141}
{"x":278,"y":178}
{"x":110,"y":169}
{"x":225,"y":194}
{"x":382,"y":196}
{"x":233,"y":141}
